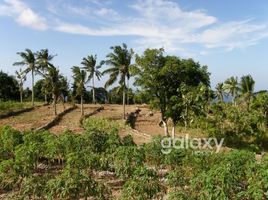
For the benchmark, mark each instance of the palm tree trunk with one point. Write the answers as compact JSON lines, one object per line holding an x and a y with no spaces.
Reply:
{"x":127,"y":91}
{"x":82,"y":106}
{"x":32,"y":87}
{"x":93,"y":88}
{"x":55,"y":105}
{"x":124,"y":99}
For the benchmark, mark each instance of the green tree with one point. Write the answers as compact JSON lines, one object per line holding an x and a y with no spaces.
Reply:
{"x":43,"y":60}
{"x":247,"y":84}
{"x":120,"y":61}
{"x":162,"y":76}
{"x":231,"y":87}
{"x":80,"y":79}
{"x":9,"y":89}
{"x":21,"y":78}
{"x":57,"y":82}
{"x":90,"y":66}
{"x":220,"y":93}
{"x":150,"y":79}
{"x":28,"y":59}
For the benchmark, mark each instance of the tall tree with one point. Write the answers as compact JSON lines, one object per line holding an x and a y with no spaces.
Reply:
{"x":119,"y":61}
{"x":21,"y":77}
{"x":43,"y":60}
{"x":9,"y":89}
{"x":231,"y":86}
{"x":56,"y":80}
{"x":162,"y":78}
{"x":80,"y":79}
{"x":247,"y":84}
{"x":220,"y":93}
{"x":28,"y":59}
{"x":93,"y":71}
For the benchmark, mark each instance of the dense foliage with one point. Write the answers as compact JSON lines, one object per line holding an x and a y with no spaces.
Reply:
{"x":41,"y":165}
{"x":9,"y":89}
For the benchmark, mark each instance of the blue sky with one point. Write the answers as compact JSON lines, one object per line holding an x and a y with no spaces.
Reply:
{"x":230,"y":37}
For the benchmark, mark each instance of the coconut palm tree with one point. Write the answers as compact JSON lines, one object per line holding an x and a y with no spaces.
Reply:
{"x":90,"y":66}
{"x":54,"y":77}
{"x":21,"y":77}
{"x":43,"y":60}
{"x":80,"y":79}
{"x":231,"y":87}
{"x":28,"y":59}
{"x":220,"y":91}
{"x":247,"y":84}
{"x":119,"y":61}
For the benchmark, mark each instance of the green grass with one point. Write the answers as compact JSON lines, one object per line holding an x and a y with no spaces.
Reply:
{"x":9,"y":106}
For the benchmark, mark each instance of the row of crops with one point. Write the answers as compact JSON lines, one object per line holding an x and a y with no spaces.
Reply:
{"x":40,"y":165}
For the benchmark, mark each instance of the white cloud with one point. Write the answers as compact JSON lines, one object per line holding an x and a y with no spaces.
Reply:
{"x":162,"y":23}
{"x":155,"y":23}
{"x":23,"y":15}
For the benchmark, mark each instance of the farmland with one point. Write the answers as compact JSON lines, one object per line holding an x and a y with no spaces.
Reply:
{"x":174,"y":137}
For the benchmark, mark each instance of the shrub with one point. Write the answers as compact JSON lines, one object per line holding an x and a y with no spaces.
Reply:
{"x":143,"y":185}
{"x":127,"y":159}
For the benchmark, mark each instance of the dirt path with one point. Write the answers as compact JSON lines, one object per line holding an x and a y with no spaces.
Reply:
{"x":33,"y":119}
{"x":70,"y":121}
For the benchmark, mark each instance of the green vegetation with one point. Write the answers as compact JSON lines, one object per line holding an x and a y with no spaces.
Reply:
{"x":41,"y":165}
{"x":10,"y":106}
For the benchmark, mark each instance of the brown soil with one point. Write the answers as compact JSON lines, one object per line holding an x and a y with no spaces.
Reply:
{"x":70,"y":121}
{"x":33,"y":119}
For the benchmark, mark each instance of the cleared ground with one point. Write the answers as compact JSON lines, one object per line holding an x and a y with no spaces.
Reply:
{"x":70,"y":121}
{"x":33,"y":119}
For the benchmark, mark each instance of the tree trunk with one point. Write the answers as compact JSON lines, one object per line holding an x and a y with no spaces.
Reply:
{"x":32,"y":87}
{"x":165,"y":128}
{"x":45,"y":99}
{"x":93,"y":90}
{"x":124,"y":99}
{"x":82,"y":106}
{"x":21,"y":91}
{"x":127,"y":91}
{"x":173,"y":131}
{"x":55,"y":105}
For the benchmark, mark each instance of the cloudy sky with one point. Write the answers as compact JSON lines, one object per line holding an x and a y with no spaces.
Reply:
{"x":230,"y":37}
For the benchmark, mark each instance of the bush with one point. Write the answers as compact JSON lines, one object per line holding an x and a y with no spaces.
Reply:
{"x":126,"y":160}
{"x":143,"y":185}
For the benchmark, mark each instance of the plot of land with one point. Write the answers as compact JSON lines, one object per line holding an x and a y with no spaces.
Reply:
{"x":70,"y":121}
{"x":33,"y":119}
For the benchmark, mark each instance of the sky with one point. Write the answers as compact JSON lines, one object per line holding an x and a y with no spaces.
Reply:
{"x":230,"y":37}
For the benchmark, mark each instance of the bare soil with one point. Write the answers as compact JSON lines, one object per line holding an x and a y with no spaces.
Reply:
{"x":33,"y":119}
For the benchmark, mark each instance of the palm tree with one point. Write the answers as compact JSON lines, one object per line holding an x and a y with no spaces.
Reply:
{"x":43,"y":60}
{"x":21,"y":77}
{"x":247,"y":84}
{"x":90,"y":66}
{"x":220,"y":91}
{"x":231,"y":86}
{"x":119,"y":60}
{"x":28,"y":59}
{"x":55,"y":79}
{"x":80,"y":79}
